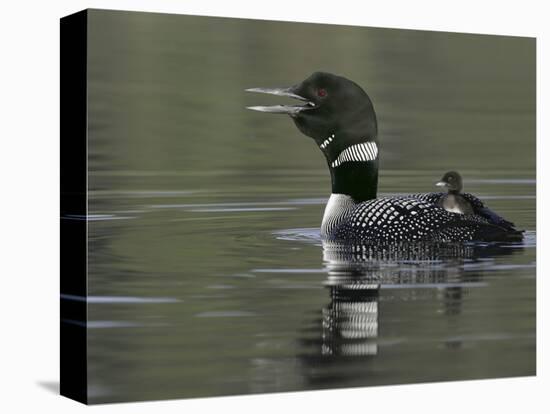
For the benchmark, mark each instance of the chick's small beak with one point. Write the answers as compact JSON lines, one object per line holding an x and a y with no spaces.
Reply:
{"x":442,"y":184}
{"x":281,"y":109}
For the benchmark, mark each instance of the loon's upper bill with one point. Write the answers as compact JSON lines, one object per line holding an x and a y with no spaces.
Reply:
{"x":339,"y":116}
{"x":281,"y":109}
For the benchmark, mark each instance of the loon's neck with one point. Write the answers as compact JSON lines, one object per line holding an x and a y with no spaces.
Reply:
{"x":353,"y":166}
{"x":359,"y":180}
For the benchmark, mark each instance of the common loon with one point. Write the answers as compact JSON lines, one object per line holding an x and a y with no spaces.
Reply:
{"x":455,"y":201}
{"x":339,"y":116}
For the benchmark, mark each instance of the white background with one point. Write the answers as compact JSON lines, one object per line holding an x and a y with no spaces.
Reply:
{"x":29,"y":204}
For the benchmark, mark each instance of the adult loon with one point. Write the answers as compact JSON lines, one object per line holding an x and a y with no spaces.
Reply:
{"x":339,"y":116}
{"x":455,"y":201}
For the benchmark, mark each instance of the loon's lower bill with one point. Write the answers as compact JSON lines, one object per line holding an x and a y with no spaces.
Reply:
{"x":339,"y":116}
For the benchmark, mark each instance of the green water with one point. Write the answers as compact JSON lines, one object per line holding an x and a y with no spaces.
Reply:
{"x":206,"y":272}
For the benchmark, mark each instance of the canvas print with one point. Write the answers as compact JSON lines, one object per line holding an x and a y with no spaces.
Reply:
{"x":255,"y":206}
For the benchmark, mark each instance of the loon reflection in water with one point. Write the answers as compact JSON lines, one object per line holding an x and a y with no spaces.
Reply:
{"x":339,"y":116}
{"x":360,"y":275}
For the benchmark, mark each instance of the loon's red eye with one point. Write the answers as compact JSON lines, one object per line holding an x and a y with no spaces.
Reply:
{"x":322,"y":93}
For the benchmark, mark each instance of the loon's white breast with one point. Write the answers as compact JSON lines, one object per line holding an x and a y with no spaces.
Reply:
{"x":336,"y":211}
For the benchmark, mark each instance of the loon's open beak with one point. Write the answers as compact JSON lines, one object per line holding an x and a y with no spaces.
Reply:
{"x":282,"y":109}
{"x":442,"y":184}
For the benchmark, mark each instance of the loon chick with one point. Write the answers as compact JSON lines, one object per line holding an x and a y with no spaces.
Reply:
{"x":339,"y":116}
{"x":464,"y":203}
{"x":453,"y":201}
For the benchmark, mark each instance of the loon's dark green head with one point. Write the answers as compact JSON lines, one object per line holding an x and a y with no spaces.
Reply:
{"x":452,"y":181}
{"x":332,"y":105}
{"x":339,"y":116}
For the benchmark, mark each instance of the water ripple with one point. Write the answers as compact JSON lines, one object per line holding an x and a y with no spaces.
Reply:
{"x":118,"y":299}
{"x":96,"y":217}
{"x":240,"y":209}
{"x":102,"y":324}
{"x":307,"y":235}
{"x":224,"y":314}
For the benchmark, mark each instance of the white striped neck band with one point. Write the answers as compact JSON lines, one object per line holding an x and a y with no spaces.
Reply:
{"x":326,"y":142}
{"x":366,"y":151}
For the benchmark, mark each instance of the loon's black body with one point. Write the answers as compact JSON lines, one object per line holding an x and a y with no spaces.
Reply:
{"x":340,"y":117}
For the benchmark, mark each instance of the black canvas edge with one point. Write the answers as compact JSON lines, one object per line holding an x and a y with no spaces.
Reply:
{"x":73,"y":202}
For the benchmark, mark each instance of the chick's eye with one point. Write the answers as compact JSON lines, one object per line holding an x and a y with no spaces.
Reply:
{"x":321,"y":93}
